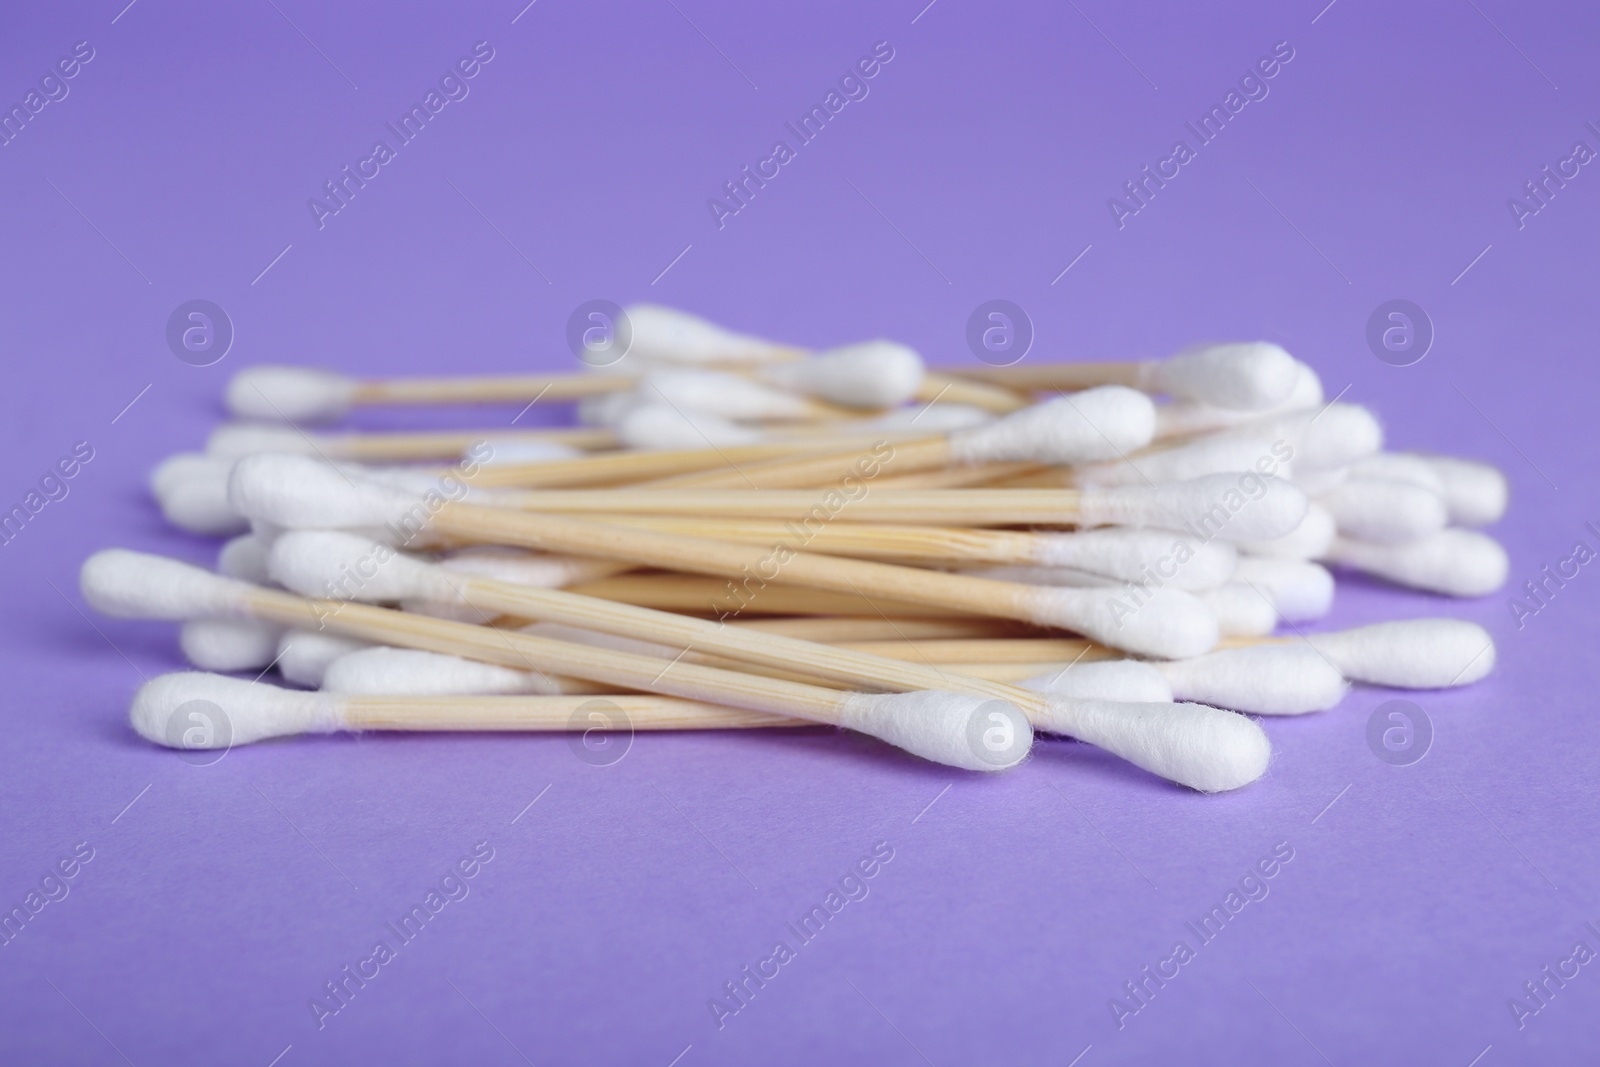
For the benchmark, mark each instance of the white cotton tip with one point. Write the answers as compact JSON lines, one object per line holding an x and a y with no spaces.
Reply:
{"x":1262,"y":680}
{"x":245,"y":558}
{"x":1454,"y":562}
{"x":1096,"y":424}
{"x":1334,"y":436}
{"x":410,"y":672}
{"x":662,"y":427}
{"x":1476,"y":493}
{"x":930,"y":418}
{"x":1167,"y":623}
{"x":191,"y":710}
{"x":728,"y":396}
{"x":303,"y":655}
{"x":1311,"y":539}
{"x":1411,"y":654}
{"x":1234,"y":507}
{"x":297,"y":492}
{"x":1240,"y":610}
{"x":1388,"y":512}
{"x":1126,"y":680}
{"x":1210,"y":455}
{"x":518,"y":566}
{"x":342,"y":566}
{"x":672,"y":336}
{"x":229,"y":644}
{"x":137,"y":585}
{"x":1244,"y":376}
{"x":1397,"y":467}
{"x":969,"y":732}
{"x":1139,"y":555}
{"x":199,"y":503}
{"x":1318,"y":480}
{"x":1194,"y":745}
{"x":289,"y":394}
{"x":872,"y":374}
{"x":235,"y":439}
{"x":504,"y":451}
{"x":184,"y":467}
{"x":1182,"y":418}
{"x":1298,"y":589}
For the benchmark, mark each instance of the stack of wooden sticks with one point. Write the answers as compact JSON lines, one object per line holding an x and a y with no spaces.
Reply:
{"x":743,"y":534}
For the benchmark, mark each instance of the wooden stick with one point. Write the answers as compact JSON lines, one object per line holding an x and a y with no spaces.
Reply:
{"x":510,"y":389}
{"x":991,"y":475}
{"x":833,"y":662}
{"x":619,"y":468}
{"x":712,"y":597}
{"x":865,"y":540}
{"x":986,"y":650}
{"x":1036,"y":377}
{"x":747,"y":563}
{"x":936,"y":507}
{"x":552,"y":713}
{"x":795,"y":472}
{"x":526,"y":652}
{"x":446,"y":444}
{"x":840,"y":628}
{"x":942,"y":388}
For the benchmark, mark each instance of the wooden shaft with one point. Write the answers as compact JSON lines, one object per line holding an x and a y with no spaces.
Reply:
{"x":938,"y":507}
{"x":799,"y":472}
{"x":861,"y":670}
{"x":613,"y":713}
{"x":943,"y":389}
{"x":985,"y":650}
{"x":747,"y":563}
{"x":526,"y":652}
{"x":617,"y":468}
{"x":1042,"y":376}
{"x":871,"y":541}
{"x":878,"y":628}
{"x":510,"y":389}
{"x":449,"y":444}
{"x":962,"y":477}
{"x":712,"y":597}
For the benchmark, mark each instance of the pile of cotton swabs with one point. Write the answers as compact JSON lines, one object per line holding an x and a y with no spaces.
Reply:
{"x":742,"y":534}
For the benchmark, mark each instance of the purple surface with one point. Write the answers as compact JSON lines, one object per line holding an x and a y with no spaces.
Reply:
{"x":220,"y":899}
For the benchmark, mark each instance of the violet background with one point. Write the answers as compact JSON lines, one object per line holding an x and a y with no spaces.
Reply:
{"x":978,"y":167}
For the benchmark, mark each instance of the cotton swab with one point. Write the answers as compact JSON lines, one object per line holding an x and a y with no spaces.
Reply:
{"x":1476,"y":493}
{"x":1261,"y":680}
{"x":1411,"y":653}
{"x":956,"y":729}
{"x":410,"y":672}
{"x":247,"y":438}
{"x":229,"y":644}
{"x":1383,"y":511}
{"x":1201,"y":747}
{"x":296,"y":493}
{"x":1242,"y":377}
{"x":1454,"y":562}
{"x":305,"y":655}
{"x":1114,"y":552}
{"x":1188,"y":418}
{"x":1298,"y":589}
{"x":1311,"y":539}
{"x":1429,"y":653}
{"x":257,"y":711}
{"x":1098,"y":424}
{"x":1240,"y":610}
